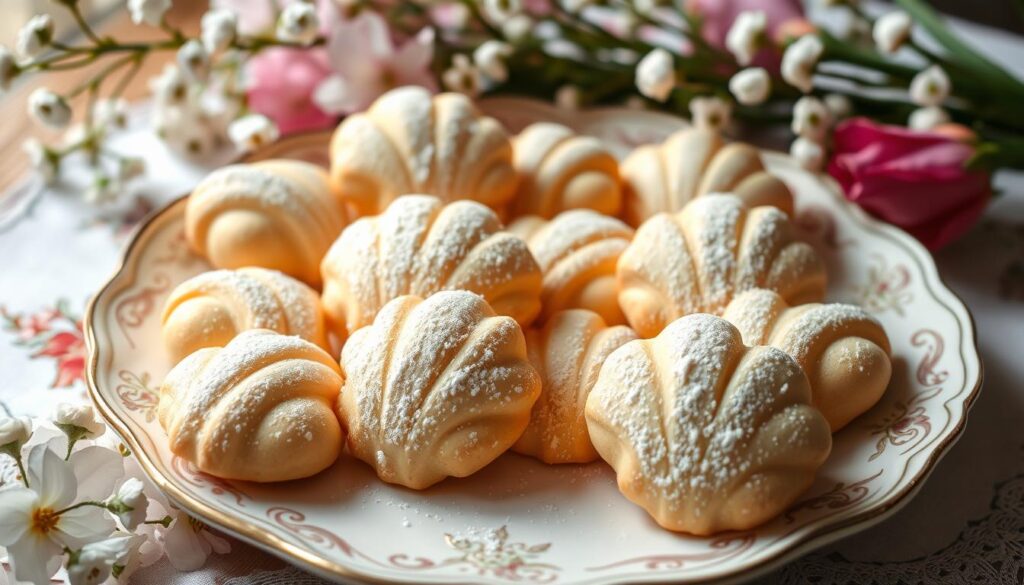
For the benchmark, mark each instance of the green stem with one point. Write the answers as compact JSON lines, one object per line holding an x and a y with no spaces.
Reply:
{"x":76,"y":13}
{"x":82,"y":505}
{"x":21,"y":470}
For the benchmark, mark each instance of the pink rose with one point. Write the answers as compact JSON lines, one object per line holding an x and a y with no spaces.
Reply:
{"x":915,"y":180}
{"x":717,"y":16}
{"x":281,"y":85}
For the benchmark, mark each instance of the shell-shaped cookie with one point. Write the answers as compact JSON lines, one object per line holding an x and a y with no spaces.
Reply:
{"x":697,"y":260}
{"x":567,"y":353}
{"x":210,"y":309}
{"x":691,"y":163}
{"x":435,"y":388}
{"x":420,"y":246}
{"x":560,"y":170}
{"x":261,"y":408}
{"x":843,"y":350}
{"x":578,"y":252}
{"x":278,"y":214}
{"x":704,"y":433}
{"x":412,"y":142}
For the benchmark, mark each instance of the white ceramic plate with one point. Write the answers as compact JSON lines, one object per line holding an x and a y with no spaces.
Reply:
{"x":519,"y":520}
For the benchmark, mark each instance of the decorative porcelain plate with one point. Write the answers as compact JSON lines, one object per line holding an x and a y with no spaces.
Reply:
{"x":518,"y":519}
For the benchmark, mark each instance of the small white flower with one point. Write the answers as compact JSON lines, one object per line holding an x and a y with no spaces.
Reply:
{"x":14,"y":431}
{"x":8,"y":68}
{"x":799,"y":61}
{"x":710,"y":112}
{"x":93,"y":564}
{"x":517,"y":28}
{"x":645,"y":7}
{"x":568,"y":97}
{"x":49,"y":108}
{"x":462,"y":76}
{"x":574,"y":6}
{"x":656,"y":75}
{"x":811,"y":118}
{"x":807,"y":153}
{"x":194,"y":61}
{"x":129,"y":504}
{"x":253,"y":131}
{"x":150,"y":12}
{"x":751,"y":86}
{"x":170,"y":87}
{"x":219,"y":28}
{"x":930,"y":87}
{"x":927,"y":118}
{"x":838,"y":105}
{"x":44,"y":160}
{"x":113,"y":113}
{"x":79,"y":415}
{"x":490,"y":57}
{"x":891,"y":31}
{"x":747,"y":35}
{"x":498,"y":11}
{"x":298,"y":23}
{"x":35,"y":35}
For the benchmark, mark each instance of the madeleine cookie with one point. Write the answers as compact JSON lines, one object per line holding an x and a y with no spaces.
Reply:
{"x":560,"y":170}
{"x":567,"y":353}
{"x":261,"y":408}
{"x":578,"y":252}
{"x":278,"y":214}
{"x":411,"y":142}
{"x":843,"y":350}
{"x":691,"y":163}
{"x":420,"y":246}
{"x":704,"y":433}
{"x":210,"y":309}
{"x":435,"y":388}
{"x":697,"y":260}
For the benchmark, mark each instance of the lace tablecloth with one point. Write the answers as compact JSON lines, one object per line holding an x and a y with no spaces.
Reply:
{"x":965,"y":526}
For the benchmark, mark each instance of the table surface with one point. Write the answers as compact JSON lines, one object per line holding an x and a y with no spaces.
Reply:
{"x":965,"y":526}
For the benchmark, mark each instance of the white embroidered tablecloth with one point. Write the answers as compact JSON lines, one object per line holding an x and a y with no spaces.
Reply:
{"x":965,"y":526}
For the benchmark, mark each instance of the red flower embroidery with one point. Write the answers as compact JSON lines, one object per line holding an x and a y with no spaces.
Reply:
{"x":51,"y":333}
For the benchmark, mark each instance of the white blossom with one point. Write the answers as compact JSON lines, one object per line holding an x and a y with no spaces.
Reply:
{"x":930,"y":87}
{"x":498,"y":11}
{"x":799,"y":61}
{"x":35,"y":35}
{"x":194,"y":61}
{"x":891,"y":31}
{"x":462,"y":76}
{"x":811,"y":118}
{"x":129,"y":504}
{"x":807,"y":153}
{"x":298,"y":23}
{"x":568,"y":97}
{"x":79,"y":415}
{"x":49,"y":109}
{"x":645,"y":7}
{"x":490,"y":57}
{"x":218,"y":29}
{"x":14,"y":431}
{"x":838,"y":105}
{"x":150,"y":12}
{"x":40,"y":519}
{"x":747,"y":35}
{"x":656,"y":75}
{"x":517,"y":27}
{"x":8,"y":68}
{"x":170,"y":87}
{"x":43,"y":160}
{"x":113,"y":113}
{"x":710,"y":112}
{"x":252,"y":131}
{"x":751,"y":86}
{"x":927,"y":118}
{"x":94,"y":563}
